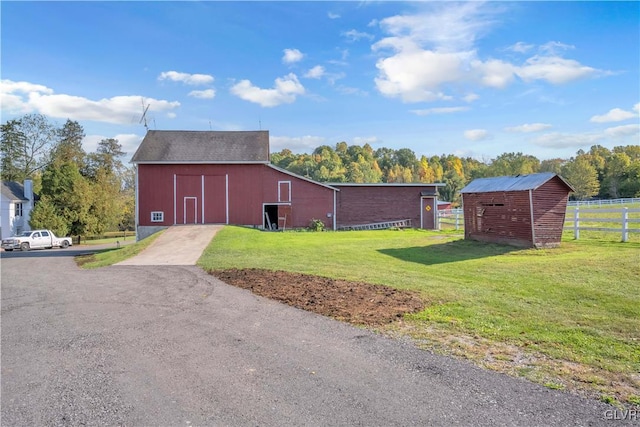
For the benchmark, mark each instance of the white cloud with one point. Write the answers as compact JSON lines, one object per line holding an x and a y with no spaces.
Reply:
{"x":445,"y":27}
{"x":552,"y":48}
{"x":616,"y":115}
{"x":26,"y":97}
{"x":415,"y":75}
{"x":349,"y":90}
{"x":354,"y":35}
{"x":528,"y":127}
{"x":285,"y":91}
{"x":567,"y":140}
{"x":441,"y":110}
{"x":316,"y":72}
{"x":554,"y":69}
{"x":495,"y":73}
{"x":471,"y":97}
{"x":520,"y":47}
{"x":291,"y":56}
{"x":203,"y":94}
{"x":189,"y":79}
{"x":636,"y":108}
{"x":303,"y":144}
{"x":12,"y":95}
{"x":362,"y":140}
{"x":425,"y":54}
{"x":623,"y":131}
{"x":332,"y":15}
{"x":476,"y":134}
{"x":128,"y":141}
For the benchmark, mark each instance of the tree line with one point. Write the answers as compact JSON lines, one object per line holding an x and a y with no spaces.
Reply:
{"x":598,"y":173}
{"x":79,"y":193}
{"x":89,"y":193}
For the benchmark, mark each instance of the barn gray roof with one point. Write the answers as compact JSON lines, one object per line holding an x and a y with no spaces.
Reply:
{"x":12,"y":190}
{"x":163,"y":146}
{"x":511,"y":183}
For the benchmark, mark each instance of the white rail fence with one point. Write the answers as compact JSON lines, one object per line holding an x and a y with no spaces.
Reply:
{"x":451,"y":217}
{"x":606,"y":202}
{"x":619,"y":220}
{"x":595,"y":218}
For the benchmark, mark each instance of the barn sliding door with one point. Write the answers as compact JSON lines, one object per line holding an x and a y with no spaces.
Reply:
{"x":201,"y":199}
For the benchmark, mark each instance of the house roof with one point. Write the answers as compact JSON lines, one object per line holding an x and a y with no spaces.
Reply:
{"x":12,"y":190}
{"x":162,"y":146}
{"x":512,"y":183}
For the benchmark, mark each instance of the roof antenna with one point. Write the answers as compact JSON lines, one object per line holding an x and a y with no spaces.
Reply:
{"x":259,"y":124}
{"x":144,"y":114}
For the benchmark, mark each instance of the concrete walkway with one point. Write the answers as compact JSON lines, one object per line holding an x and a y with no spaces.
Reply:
{"x":178,"y":245}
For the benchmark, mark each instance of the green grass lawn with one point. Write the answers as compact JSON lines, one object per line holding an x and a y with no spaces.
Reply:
{"x":568,"y":316}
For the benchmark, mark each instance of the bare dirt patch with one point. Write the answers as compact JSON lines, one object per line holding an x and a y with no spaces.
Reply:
{"x":354,"y":302}
{"x":383,"y":307}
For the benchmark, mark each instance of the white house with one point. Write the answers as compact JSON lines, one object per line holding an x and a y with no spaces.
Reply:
{"x":16,"y":202}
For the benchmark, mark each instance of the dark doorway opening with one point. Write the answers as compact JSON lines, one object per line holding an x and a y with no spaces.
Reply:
{"x":270,"y":217}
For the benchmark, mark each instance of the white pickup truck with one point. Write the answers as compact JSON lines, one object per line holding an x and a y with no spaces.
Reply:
{"x":36,"y":239}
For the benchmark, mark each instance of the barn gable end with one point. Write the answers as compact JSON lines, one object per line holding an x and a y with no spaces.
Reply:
{"x":524,"y":211}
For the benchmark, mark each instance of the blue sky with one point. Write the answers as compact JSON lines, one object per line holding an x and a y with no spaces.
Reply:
{"x":468,"y":78}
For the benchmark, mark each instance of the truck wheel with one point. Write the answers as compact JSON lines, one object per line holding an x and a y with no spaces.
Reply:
{"x":24,"y":247}
{"x":65,"y":244}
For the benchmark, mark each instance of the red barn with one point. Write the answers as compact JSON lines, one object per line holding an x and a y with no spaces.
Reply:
{"x":213,"y":177}
{"x":195,"y":177}
{"x":523,"y":210}
{"x":360,"y":204}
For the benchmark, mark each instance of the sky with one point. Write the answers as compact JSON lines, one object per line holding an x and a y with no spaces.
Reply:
{"x":474,"y":79}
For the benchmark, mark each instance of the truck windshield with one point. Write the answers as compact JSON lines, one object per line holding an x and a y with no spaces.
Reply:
{"x":25,"y":234}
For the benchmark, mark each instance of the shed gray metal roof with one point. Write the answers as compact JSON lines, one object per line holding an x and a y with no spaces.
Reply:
{"x":163,"y":146}
{"x":511,"y":183}
{"x":13,"y":190}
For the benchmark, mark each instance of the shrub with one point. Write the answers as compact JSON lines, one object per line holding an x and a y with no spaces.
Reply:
{"x":316,"y":225}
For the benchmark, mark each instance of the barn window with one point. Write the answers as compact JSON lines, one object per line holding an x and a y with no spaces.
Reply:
{"x":284,"y":191}
{"x":157,"y":216}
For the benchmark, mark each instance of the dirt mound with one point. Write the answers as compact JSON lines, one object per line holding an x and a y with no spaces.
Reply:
{"x":354,"y":302}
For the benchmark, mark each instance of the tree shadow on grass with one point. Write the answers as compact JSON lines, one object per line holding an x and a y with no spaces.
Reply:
{"x":443,"y":253}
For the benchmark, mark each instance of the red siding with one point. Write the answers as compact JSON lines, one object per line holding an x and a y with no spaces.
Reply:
{"x":501,"y":217}
{"x":371,"y":204}
{"x":549,"y":209}
{"x":505,"y":217}
{"x":249,"y":187}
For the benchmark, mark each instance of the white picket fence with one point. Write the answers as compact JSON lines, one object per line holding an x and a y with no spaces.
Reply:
{"x":578,"y":219}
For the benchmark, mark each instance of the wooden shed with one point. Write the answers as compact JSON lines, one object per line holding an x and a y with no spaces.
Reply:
{"x":522,"y":210}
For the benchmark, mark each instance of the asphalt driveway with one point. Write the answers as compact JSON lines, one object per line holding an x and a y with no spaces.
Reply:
{"x":171,"y":345}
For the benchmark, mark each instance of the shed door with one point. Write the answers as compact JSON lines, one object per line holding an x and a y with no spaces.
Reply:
{"x":428,"y":215}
